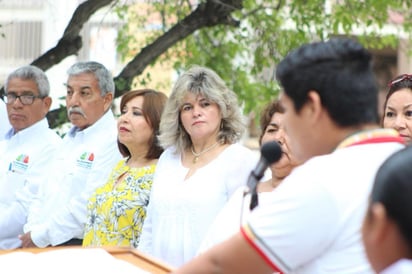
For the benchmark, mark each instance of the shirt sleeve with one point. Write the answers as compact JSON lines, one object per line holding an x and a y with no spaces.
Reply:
{"x":68,"y":222}
{"x":296,"y":224}
{"x":34,"y":209}
{"x":14,"y":215}
{"x":145,"y":242}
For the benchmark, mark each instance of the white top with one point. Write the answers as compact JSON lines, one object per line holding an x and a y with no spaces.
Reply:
{"x":403,"y":266}
{"x":180,"y":211}
{"x":24,"y":163}
{"x":4,"y":120}
{"x":313,"y":220}
{"x":230,"y":218}
{"x":83,"y":163}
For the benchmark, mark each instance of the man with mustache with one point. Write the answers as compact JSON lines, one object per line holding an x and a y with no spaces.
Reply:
{"x":27,"y":149}
{"x":88,"y":153}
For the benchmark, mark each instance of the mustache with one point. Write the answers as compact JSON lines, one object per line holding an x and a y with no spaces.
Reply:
{"x":76,"y":110}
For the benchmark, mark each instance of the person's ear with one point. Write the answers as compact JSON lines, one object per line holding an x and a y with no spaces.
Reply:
{"x":108,"y":99}
{"x":380,"y":224}
{"x":47,"y":101}
{"x":313,"y":107}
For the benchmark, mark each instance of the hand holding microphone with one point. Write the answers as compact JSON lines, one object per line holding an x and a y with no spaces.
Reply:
{"x":270,"y":152}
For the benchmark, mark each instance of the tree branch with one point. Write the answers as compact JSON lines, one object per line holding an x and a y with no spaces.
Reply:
{"x":71,"y":41}
{"x":207,"y":14}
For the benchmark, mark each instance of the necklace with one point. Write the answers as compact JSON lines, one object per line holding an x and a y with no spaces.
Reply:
{"x":197,"y":155}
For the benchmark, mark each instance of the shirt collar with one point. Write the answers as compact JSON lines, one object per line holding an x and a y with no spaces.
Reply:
{"x":108,"y":117}
{"x":29,"y":131}
{"x":378,"y":135}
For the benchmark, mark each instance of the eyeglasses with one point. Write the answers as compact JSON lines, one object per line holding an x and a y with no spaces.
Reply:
{"x":399,"y":79}
{"x":25,"y":99}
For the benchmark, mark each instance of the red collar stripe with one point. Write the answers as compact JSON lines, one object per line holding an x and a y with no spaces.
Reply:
{"x":380,"y":139}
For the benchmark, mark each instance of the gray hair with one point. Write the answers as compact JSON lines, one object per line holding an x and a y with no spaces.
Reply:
{"x":205,"y":82}
{"x":102,"y":74}
{"x":32,"y":73}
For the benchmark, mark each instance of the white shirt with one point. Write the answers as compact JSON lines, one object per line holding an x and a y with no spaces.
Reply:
{"x":313,"y":220}
{"x":25,"y":159}
{"x":180,"y":211}
{"x":4,"y":120}
{"x":402,"y":266}
{"x":83,"y":163}
{"x":230,"y":218}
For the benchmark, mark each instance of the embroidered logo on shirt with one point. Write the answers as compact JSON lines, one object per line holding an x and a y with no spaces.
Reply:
{"x":20,"y":164}
{"x":86,"y":160}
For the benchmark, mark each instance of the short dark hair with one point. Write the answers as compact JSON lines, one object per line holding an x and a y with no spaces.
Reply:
{"x":153,"y":104}
{"x":340,"y":71}
{"x":393,"y":188}
{"x":266,"y":116}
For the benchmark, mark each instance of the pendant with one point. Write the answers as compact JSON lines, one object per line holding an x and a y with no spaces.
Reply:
{"x":195,"y":159}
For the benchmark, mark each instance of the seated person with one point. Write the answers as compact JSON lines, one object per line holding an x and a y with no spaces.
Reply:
{"x":116,"y":210}
{"x":387,"y":226}
{"x":397,"y":109}
{"x":27,"y":150}
{"x":89,"y":151}
{"x":201,"y":167}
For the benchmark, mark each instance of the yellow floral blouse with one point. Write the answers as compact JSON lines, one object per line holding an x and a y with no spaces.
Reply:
{"x":116,"y":213}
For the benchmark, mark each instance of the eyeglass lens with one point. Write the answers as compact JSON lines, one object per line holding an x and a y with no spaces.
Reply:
{"x":25,"y":99}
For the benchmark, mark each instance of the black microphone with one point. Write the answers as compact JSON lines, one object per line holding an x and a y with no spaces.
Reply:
{"x":270,"y":152}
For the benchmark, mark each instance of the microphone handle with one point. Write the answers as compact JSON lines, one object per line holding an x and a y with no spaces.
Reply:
{"x":254,"y":200}
{"x":254,"y":194}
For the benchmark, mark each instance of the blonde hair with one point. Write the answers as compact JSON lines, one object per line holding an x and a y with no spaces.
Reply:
{"x":205,"y":82}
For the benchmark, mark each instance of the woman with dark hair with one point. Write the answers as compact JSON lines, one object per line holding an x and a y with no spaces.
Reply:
{"x":116,"y":210}
{"x":273,"y":129}
{"x":387,"y":226}
{"x":398,"y":106}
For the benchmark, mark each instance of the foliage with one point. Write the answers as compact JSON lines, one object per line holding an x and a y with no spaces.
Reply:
{"x":246,"y":56}
{"x":243,"y":40}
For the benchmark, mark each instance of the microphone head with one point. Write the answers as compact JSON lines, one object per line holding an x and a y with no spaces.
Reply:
{"x":271,"y":152}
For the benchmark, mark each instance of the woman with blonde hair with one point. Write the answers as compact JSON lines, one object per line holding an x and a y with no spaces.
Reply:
{"x":203,"y":164}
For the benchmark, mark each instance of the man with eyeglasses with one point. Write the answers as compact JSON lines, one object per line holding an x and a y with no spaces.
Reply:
{"x":27,"y":150}
{"x":88,"y":154}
